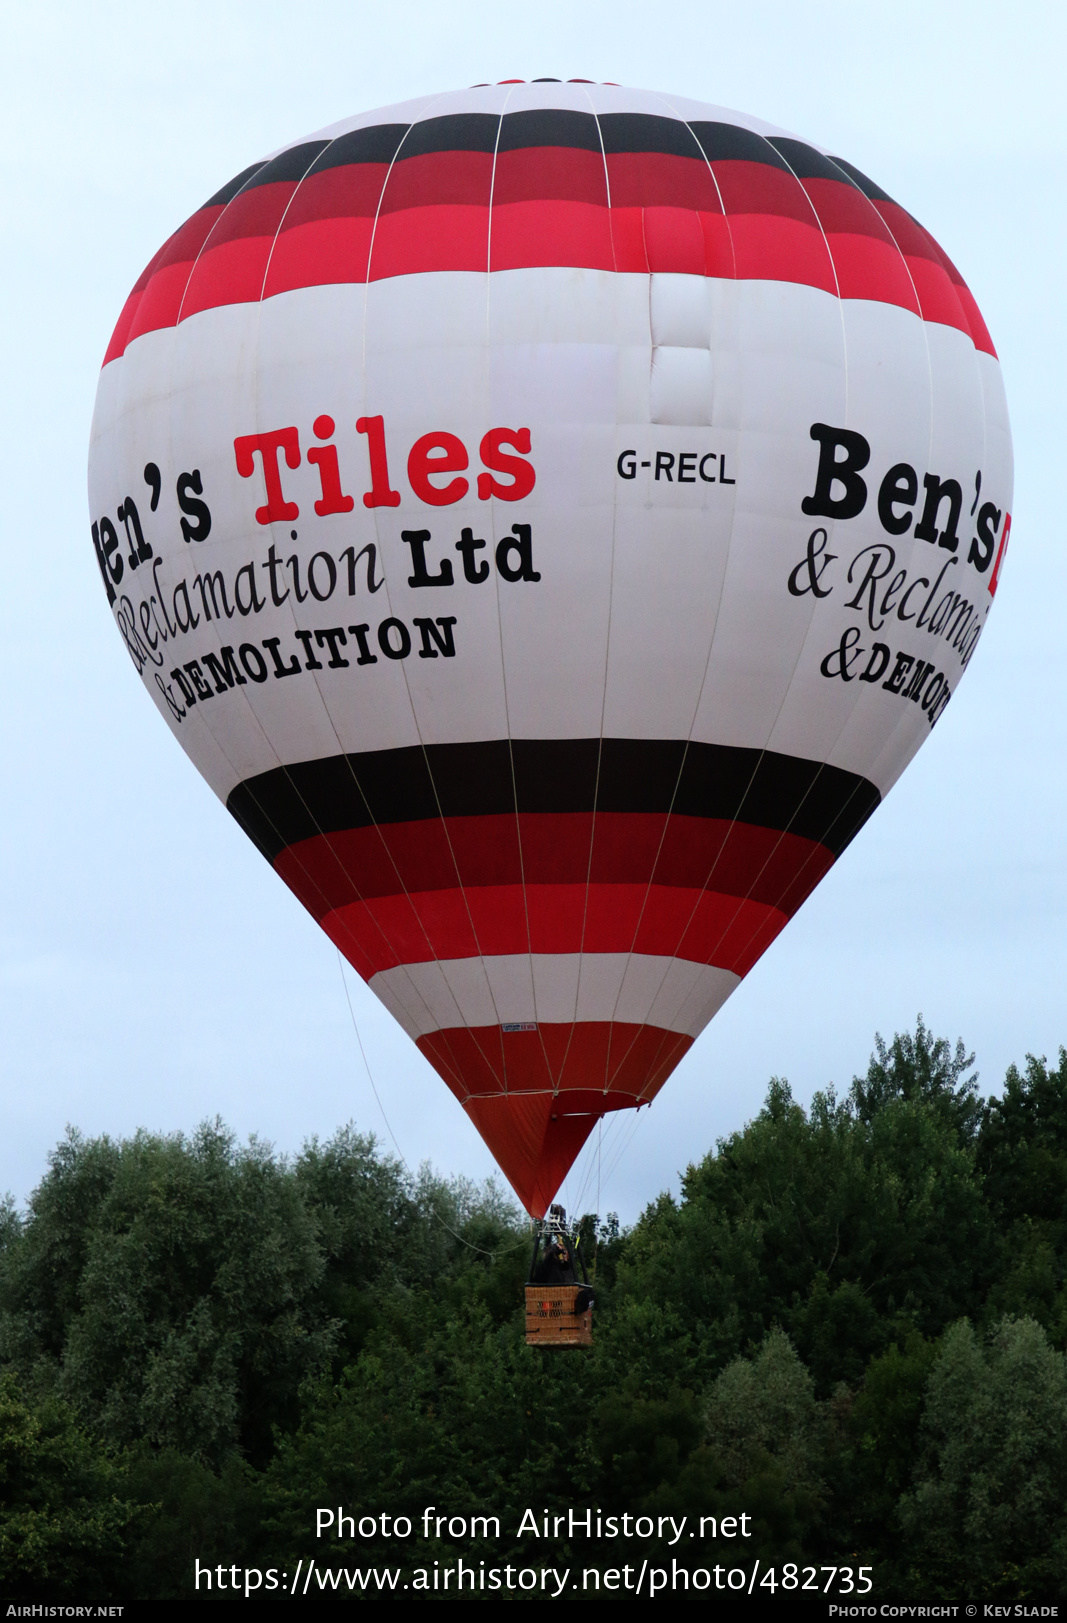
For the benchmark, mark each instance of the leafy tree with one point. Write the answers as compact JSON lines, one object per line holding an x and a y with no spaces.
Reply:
{"x":66,"y":1517}
{"x":1022,"y":1152}
{"x":922,"y":1069}
{"x":164,"y":1287}
{"x":987,"y":1514}
{"x":846,"y":1225}
{"x":791,"y":1339}
{"x":879,"y":1451}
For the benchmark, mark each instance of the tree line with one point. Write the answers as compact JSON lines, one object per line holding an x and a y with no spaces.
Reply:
{"x":850,"y":1325}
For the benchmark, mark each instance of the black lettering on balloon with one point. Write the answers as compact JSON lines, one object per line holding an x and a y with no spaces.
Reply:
{"x":310,"y":662}
{"x":196,"y":677}
{"x":877,"y":663}
{"x":271,"y":564}
{"x":294,"y":565}
{"x":331,"y":575}
{"x":336,"y":638}
{"x":154,"y":479}
{"x":103,"y":558}
{"x":436,"y":641}
{"x":840,"y":660}
{"x":922,"y":670}
{"x":814,"y":564}
{"x":252,"y":660}
{"x":420,"y":576}
{"x":467,"y":546}
{"x":255,"y":603}
{"x":834,"y":470}
{"x":521,"y":545}
{"x":352,"y":557}
{"x":187,"y":693}
{"x":137,"y":648}
{"x":937,"y":491}
{"x":215,"y":584}
{"x":223,"y":670}
{"x":899,"y":672}
{"x":365,"y":655}
{"x":197,"y":526}
{"x":140,"y":551}
{"x":881,"y":553}
{"x":403,"y":648}
{"x":180,"y":598}
{"x":175,"y":708}
{"x":271,"y":644}
{"x":898,"y":489}
{"x":980,"y":553}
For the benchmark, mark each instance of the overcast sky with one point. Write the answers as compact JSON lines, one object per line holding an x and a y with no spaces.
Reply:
{"x":153,"y":969}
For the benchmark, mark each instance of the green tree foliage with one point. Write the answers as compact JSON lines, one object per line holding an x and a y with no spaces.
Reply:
{"x":1023,"y":1155}
{"x":65,"y":1517}
{"x":849,"y":1326}
{"x":846,"y":1225}
{"x":165,"y":1287}
{"x":989,"y":1505}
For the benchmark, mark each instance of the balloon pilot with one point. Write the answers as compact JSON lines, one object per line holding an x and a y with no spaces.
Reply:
{"x":559,"y":1307}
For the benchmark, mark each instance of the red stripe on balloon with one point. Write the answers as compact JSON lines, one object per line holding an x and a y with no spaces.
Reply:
{"x":551,"y":232}
{"x":446,"y":237}
{"x":320,"y":252}
{"x":868,"y":268}
{"x":232,"y":273}
{"x":943,"y":294}
{"x":528,"y":1092}
{"x":667,"y":921}
{"x":643,"y":179}
{"x":770,"y":232}
{"x":549,"y":174}
{"x":122,"y":333}
{"x":600,"y":1064}
{"x":435,"y":178}
{"x":547,"y":848}
{"x":349,"y":191}
{"x":161,"y":301}
{"x":938,"y":299}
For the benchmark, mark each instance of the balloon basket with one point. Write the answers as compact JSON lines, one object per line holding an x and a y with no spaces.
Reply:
{"x":551,"y":1320}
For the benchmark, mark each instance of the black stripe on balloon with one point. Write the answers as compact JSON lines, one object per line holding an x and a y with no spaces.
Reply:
{"x":721,"y":142}
{"x":291,"y":165}
{"x":378,"y":143}
{"x":537,"y":127}
{"x":227,"y":193}
{"x":866,"y":186}
{"x":644,"y":132}
{"x":807,"y":164}
{"x":549,"y":127}
{"x":781,"y":792}
{"x":453,"y":132}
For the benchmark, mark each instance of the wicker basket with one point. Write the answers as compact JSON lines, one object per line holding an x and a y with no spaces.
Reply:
{"x":551,"y":1320}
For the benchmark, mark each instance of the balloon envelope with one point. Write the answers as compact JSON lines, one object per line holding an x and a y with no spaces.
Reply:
{"x":551,"y":516}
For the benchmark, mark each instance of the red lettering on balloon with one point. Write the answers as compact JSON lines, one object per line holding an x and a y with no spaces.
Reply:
{"x":379,"y":494}
{"x":324,"y":457}
{"x":995,"y":577}
{"x":268,"y":446}
{"x":521,"y":472}
{"x":451,"y":457}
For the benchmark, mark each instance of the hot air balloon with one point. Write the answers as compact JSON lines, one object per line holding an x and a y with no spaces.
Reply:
{"x":551,"y":516}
